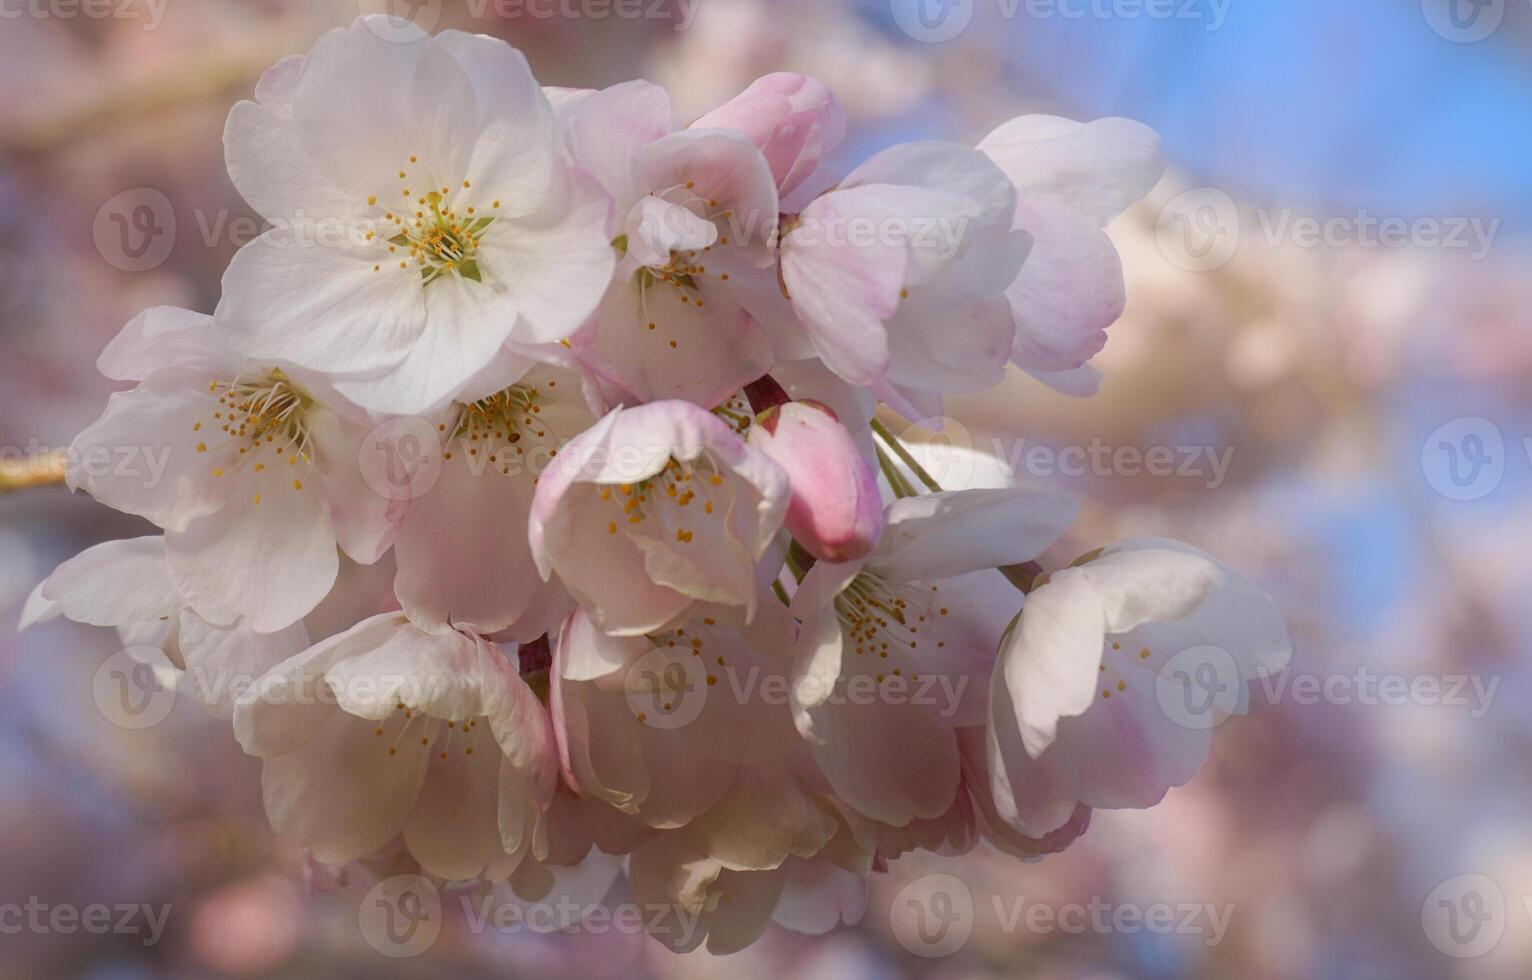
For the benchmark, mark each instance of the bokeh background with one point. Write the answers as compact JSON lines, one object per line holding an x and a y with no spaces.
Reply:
{"x":1369,"y":393}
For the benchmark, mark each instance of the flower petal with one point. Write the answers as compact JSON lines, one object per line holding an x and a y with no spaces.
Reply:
{"x":1097,"y":169}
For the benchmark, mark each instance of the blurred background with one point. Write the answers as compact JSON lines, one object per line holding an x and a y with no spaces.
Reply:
{"x":1324,"y":377}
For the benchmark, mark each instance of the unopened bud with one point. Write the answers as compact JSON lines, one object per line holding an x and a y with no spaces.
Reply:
{"x":836,"y":510}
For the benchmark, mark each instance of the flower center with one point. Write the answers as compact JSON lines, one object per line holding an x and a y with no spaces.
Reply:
{"x":1124,"y":658}
{"x":507,"y":430}
{"x":682,"y":496}
{"x":881,"y":619}
{"x":266,"y":414}
{"x":415,"y":731}
{"x":436,"y":229}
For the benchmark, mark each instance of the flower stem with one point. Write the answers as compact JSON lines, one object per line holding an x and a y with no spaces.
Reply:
{"x":37,"y":470}
{"x":891,"y":473}
{"x":899,"y":449}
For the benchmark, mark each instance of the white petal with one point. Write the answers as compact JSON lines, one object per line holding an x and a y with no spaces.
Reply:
{"x":115,"y":583}
{"x":320,"y":308}
{"x":454,"y":829}
{"x":1141,"y":585}
{"x":467,"y":324}
{"x":1082,"y":382}
{"x":1049,"y":663}
{"x":945,"y":534}
{"x":514,"y":156}
{"x":146,"y":456}
{"x":462,"y":550}
{"x":269,"y":562}
{"x":610,"y":127}
{"x":365,"y":105}
{"x":160,"y":337}
{"x":224,"y":662}
{"x":1070,"y":290}
{"x":893,"y":762}
{"x":1097,"y":168}
{"x":342,"y":794}
{"x":266,"y":157}
{"x":556,"y":265}
{"x":585,"y":653}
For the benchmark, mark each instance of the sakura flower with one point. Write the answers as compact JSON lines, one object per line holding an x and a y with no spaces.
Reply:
{"x":695,"y":218}
{"x":252,"y":476}
{"x":707,"y":903}
{"x":127,"y":585}
{"x":462,"y":550}
{"x":836,"y":509}
{"x":892,"y":645}
{"x":973,"y":816}
{"x":1072,"y":179}
{"x":653,"y":510}
{"x":421,"y":216}
{"x":1078,"y":709}
{"x":690,"y":730}
{"x":794,"y":120}
{"x":385,"y":729}
{"x":897,"y":273}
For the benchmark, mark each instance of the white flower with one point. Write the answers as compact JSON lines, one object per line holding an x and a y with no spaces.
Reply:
{"x":929,"y":604}
{"x":706,"y":902}
{"x":1071,"y":180}
{"x":897,"y":273}
{"x":653,"y":510}
{"x":696,"y":219}
{"x":127,"y":585}
{"x":421,"y":216}
{"x":1078,"y":708}
{"x":462,"y":548}
{"x":386,"y":729}
{"x":252,"y":476}
{"x":691,"y":728}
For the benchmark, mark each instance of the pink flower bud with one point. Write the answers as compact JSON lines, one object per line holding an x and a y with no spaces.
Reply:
{"x":793,"y":120}
{"x":836,"y":510}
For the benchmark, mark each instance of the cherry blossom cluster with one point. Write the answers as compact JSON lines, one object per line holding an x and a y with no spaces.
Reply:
{"x":675,"y":603}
